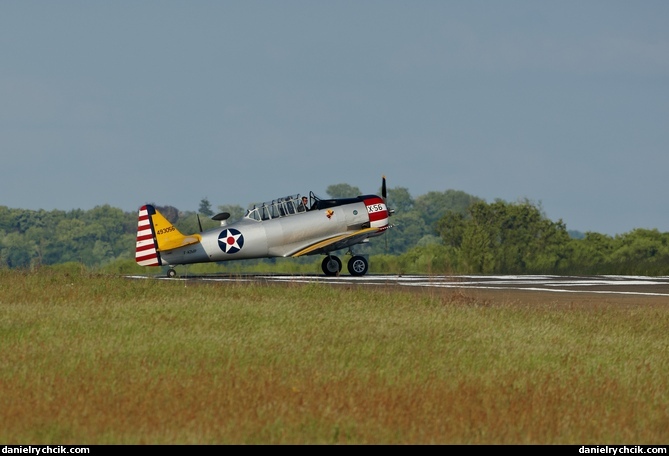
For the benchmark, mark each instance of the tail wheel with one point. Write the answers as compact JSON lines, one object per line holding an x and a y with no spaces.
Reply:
{"x":358,"y":266}
{"x":331,"y":265}
{"x":171,"y":273}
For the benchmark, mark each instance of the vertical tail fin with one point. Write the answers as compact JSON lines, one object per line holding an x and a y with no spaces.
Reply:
{"x":156,"y":234}
{"x":146,"y":249}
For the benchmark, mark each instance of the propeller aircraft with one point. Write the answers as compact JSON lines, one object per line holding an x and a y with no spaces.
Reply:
{"x":283,"y":227}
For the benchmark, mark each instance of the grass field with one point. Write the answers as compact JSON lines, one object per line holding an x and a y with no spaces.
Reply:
{"x":98,"y":359}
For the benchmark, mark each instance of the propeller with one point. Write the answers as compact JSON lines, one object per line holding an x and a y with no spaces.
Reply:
{"x":384,"y":195}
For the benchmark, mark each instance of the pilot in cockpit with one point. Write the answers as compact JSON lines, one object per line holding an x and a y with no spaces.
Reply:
{"x":304,"y":205}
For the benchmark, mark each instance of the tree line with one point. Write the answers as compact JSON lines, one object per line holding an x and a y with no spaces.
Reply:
{"x":438,"y":232}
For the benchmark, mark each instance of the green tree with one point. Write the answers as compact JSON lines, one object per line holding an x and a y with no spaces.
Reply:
{"x":342,"y":191}
{"x":591,"y":255}
{"x":642,"y":251}
{"x":205,"y":207}
{"x":477,"y":253}
{"x":41,"y":239}
{"x":434,"y":205}
{"x":399,"y":199}
{"x":16,"y":250}
{"x":504,"y":238}
{"x":451,"y":228}
{"x":408,"y":228}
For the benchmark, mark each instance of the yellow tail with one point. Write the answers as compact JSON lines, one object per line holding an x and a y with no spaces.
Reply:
{"x":162,"y":235}
{"x":167,"y":236}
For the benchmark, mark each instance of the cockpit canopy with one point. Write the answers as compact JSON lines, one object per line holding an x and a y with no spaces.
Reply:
{"x":280,"y":207}
{"x":292,"y":204}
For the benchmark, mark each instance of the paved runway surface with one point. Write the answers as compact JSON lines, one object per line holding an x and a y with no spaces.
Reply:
{"x":626,"y":285}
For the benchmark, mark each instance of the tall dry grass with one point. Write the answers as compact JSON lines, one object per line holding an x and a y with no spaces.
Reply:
{"x":94,"y":359}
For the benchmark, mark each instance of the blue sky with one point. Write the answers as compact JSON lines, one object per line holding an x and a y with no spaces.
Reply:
{"x":128,"y":102}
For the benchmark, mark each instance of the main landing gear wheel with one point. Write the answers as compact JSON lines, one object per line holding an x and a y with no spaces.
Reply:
{"x":358,"y":266}
{"x":331,"y":265}
{"x":171,"y":273}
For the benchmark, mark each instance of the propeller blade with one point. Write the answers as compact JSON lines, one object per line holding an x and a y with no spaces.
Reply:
{"x":384,"y":195}
{"x":199,"y":222}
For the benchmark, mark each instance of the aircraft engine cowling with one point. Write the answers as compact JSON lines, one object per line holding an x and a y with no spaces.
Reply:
{"x":377,"y":211}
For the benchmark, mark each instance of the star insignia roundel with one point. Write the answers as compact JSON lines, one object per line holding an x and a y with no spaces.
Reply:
{"x":230,"y":240}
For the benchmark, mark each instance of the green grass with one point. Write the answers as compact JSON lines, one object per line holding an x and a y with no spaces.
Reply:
{"x":100,"y":359}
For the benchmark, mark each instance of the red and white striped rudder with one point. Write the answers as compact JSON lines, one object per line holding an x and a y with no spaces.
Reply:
{"x":146,"y":253}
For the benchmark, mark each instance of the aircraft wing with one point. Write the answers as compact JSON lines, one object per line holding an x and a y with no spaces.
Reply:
{"x":337,"y":242}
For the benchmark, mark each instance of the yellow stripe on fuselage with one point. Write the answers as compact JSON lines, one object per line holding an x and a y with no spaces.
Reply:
{"x":332,"y":240}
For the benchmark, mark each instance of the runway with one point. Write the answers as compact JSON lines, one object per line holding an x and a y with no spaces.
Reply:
{"x":602,"y":284}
